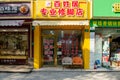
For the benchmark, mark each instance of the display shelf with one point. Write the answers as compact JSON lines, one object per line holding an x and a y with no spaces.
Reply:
{"x":13,"y":57}
{"x":13,"y":52}
{"x":13,"y":61}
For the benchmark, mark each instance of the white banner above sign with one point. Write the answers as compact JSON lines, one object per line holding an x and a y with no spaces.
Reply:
{"x":55,"y":23}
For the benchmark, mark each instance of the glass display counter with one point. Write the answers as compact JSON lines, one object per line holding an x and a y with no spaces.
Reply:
{"x":13,"y":46}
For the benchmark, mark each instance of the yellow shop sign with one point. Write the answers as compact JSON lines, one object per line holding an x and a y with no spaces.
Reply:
{"x":64,"y":9}
{"x":116,"y":7}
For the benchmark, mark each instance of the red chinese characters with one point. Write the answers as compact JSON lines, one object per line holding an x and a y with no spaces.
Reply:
{"x":75,"y":4}
{"x":61,"y":12}
{"x":79,"y":12}
{"x":66,"y":4}
{"x":53,"y":12}
{"x":44,"y":11}
{"x":70,"y":12}
{"x":63,"y":8}
{"x":57,"y":4}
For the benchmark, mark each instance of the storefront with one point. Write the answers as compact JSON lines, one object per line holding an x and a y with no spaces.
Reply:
{"x":105,"y":31}
{"x":15,"y":32}
{"x":61,"y":30}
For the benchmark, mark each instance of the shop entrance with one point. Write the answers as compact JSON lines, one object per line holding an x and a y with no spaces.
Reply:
{"x":49,"y":50}
{"x":57,"y":44}
{"x":108,"y":47}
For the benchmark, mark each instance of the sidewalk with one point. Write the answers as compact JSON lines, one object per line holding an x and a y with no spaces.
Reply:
{"x":62,"y":75}
{"x":15,"y":68}
{"x":66,"y":69}
{"x":29,"y":68}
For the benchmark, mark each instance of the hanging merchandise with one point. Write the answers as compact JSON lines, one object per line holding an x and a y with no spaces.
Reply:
{"x":45,"y":46}
{"x":106,"y":54}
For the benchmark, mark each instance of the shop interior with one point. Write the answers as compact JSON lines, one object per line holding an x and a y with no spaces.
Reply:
{"x":58,"y":44}
{"x":107,"y":43}
{"x":13,"y":46}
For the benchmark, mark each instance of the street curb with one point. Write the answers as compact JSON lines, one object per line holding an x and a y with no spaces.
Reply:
{"x":39,"y":70}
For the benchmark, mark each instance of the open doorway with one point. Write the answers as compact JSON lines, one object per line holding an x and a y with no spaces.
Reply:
{"x":107,"y":47}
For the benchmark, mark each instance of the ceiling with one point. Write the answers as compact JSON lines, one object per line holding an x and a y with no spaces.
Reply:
{"x":106,"y":32}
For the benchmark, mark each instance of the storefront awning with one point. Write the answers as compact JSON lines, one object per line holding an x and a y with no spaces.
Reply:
{"x":11,"y":22}
{"x":55,"y":23}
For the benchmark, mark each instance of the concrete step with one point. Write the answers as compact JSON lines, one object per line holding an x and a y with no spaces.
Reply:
{"x":16,"y":68}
